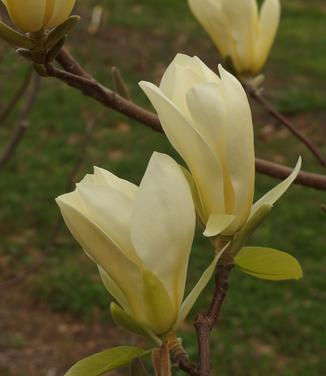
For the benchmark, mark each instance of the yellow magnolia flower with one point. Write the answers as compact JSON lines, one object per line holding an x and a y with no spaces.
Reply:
{"x":140,"y":238}
{"x":239,"y":30}
{"x":34,"y":15}
{"x":208,"y":121}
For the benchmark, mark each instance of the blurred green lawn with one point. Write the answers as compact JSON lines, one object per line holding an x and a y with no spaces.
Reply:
{"x":265,"y":328}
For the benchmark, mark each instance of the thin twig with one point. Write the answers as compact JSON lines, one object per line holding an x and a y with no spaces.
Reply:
{"x":205,"y":322}
{"x":16,"y":97}
{"x":71,"y":179}
{"x":110,"y":99}
{"x":22,"y":125}
{"x":185,"y":365}
{"x":181,"y":359}
{"x":286,"y":123}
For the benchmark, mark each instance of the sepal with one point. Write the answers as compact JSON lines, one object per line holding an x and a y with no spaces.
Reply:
{"x":197,"y":290}
{"x":59,"y":32}
{"x":52,"y":53}
{"x":14,"y":38}
{"x":242,"y":237}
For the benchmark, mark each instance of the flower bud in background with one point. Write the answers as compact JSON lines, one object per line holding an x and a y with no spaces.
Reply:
{"x":208,"y":121}
{"x":33,"y":15}
{"x":239,"y":30}
{"x":140,"y":238}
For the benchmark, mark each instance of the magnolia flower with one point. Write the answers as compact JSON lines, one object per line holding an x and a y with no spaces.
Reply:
{"x":239,"y":30}
{"x":140,"y":238}
{"x":208,"y":121}
{"x":34,"y":15}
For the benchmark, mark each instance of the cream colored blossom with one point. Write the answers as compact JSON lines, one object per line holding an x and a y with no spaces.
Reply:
{"x":239,"y":30}
{"x":208,"y":120}
{"x":140,"y":238}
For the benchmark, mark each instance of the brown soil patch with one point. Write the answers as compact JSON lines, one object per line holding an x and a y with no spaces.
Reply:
{"x":34,"y":341}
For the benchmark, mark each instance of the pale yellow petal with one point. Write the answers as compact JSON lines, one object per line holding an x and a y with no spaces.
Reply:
{"x":268,"y":24}
{"x":114,"y":289}
{"x":103,"y":251}
{"x":103,"y":176}
{"x":217,"y":223}
{"x":192,"y":148}
{"x":241,"y":19}
{"x":163,"y":223}
{"x":182,"y":74}
{"x":207,"y":108}
{"x":184,"y":80}
{"x":29,"y":16}
{"x":61,"y":11}
{"x":111,"y":211}
{"x":239,"y":146}
{"x":209,"y":14}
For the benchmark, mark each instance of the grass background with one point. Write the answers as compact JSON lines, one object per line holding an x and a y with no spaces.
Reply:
{"x":265,"y":327}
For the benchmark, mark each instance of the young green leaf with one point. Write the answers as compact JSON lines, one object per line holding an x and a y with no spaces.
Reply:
{"x":268,"y":263}
{"x":105,"y":361}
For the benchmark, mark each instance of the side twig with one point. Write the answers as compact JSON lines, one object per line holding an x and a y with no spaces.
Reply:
{"x":22,"y":125}
{"x":110,"y":99}
{"x":286,"y":123}
{"x":205,"y":322}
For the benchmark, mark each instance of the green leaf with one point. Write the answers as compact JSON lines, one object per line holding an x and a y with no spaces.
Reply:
{"x":105,"y":361}
{"x":268,"y":263}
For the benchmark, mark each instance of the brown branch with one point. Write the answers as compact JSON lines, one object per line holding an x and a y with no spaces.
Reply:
{"x":66,"y":60}
{"x":182,"y":362}
{"x":110,"y":99}
{"x":205,"y":322}
{"x":16,"y":97}
{"x":307,"y":179}
{"x":286,"y":123}
{"x":180,"y":358}
{"x":22,"y":125}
